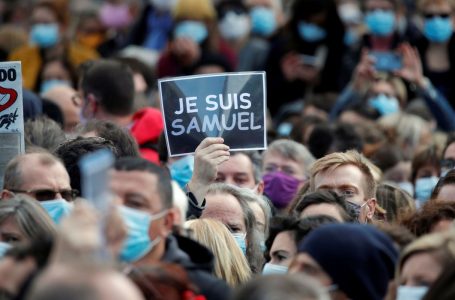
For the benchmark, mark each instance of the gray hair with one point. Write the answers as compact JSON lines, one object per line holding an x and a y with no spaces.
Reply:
{"x":293,"y":151}
{"x":32,"y":220}
{"x":43,"y":132}
{"x":254,"y":253}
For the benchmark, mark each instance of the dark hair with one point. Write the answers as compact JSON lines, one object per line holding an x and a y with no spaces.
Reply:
{"x":71,"y":152}
{"x":396,"y":202}
{"x":126,"y":145}
{"x":443,"y":288}
{"x":423,"y":221}
{"x":65,"y":62}
{"x":387,"y":157}
{"x":305,"y":9}
{"x":38,"y":249}
{"x":327,"y":138}
{"x":318,"y":197}
{"x":299,"y":227}
{"x":111,"y":82}
{"x":448,"y":179}
{"x":400,"y":235}
{"x":299,"y":130}
{"x":137,"y":66}
{"x":139,"y":164}
{"x":43,"y":132}
{"x":427,"y":156}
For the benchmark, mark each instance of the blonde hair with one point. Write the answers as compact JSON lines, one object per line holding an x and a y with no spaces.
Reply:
{"x":230,"y":263}
{"x":441,"y":245}
{"x":337,"y":159}
{"x":195,"y":9}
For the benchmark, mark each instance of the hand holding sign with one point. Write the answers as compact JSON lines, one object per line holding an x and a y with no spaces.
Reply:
{"x":228,"y":105}
{"x":208,"y":156}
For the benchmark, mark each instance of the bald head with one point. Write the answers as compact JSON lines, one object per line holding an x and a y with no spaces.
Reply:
{"x":35,"y":171}
{"x":63,"y":97}
{"x":61,"y":282}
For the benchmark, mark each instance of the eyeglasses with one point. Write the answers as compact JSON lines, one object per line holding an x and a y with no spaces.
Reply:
{"x":434,"y":15}
{"x":46,"y":194}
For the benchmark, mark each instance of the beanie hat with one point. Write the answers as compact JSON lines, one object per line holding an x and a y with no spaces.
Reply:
{"x":359,"y":258}
{"x":195,"y":10}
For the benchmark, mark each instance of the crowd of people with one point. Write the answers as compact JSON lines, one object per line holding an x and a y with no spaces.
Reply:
{"x":352,"y":199}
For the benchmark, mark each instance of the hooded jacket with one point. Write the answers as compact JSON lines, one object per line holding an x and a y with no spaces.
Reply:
{"x":147,"y":127}
{"x":198,"y":263}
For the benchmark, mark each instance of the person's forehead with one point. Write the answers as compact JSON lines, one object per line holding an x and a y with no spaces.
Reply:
{"x":450,"y":152}
{"x":437,"y":7}
{"x":34,"y":172}
{"x":344,"y":175}
{"x":284,"y":241}
{"x":223,"y":207}
{"x":371,"y":4}
{"x":134,"y":181}
{"x":384,"y":87}
{"x":238,"y":163}
{"x":43,"y":14}
{"x":275,"y":157}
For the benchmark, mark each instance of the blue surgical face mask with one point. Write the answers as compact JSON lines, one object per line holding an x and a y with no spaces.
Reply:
{"x":407,"y":186}
{"x":137,"y":243}
{"x":311,"y":32}
{"x":57,"y":209}
{"x":351,"y":37}
{"x":45,"y":35}
{"x":3,"y":248}
{"x":182,"y":170}
{"x":240,"y":239}
{"x":384,"y":105}
{"x":263,"y":21}
{"x":274,"y":269}
{"x":438,"y":29}
{"x":411,"y":292}
{"x":424,"y":187}
{"x":193,"y":30}
{"x":380,"y":22}
{"x":51,"y":83}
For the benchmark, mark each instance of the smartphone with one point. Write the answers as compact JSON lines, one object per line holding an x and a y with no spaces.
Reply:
{"x":95,"y":169}
{"x":387,"y":61}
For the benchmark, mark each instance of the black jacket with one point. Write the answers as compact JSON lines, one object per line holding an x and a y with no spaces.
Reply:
{"x":198,"y":263}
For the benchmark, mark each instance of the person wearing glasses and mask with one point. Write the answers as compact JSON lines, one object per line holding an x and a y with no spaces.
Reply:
{"x":43,"y":177}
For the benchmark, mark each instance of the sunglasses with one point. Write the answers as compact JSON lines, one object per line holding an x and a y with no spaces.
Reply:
{"x":46,"y":194}
{"x":434,"y":15}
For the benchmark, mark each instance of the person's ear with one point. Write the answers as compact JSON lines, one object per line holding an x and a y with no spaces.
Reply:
{"x":260,"y":187}
{"x":5,"y":195}
{"x":371,"y":208}
{"x":168,"y":222}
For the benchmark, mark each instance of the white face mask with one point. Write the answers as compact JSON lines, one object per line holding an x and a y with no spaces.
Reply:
{"x":411,"y":292}
{"x":163,"y":5}
{"x":274,"y":269}
{"x":234,"y":26}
